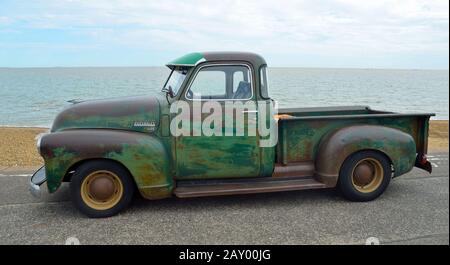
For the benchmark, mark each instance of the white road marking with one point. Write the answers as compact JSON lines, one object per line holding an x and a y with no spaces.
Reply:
{"x":16,"y":175}
{"x":436,"y":158}
{"x":434,"y":164}
{"x":440,"y":155}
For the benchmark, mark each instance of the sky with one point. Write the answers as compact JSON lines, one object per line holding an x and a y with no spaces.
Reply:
{"x":409,"y":34}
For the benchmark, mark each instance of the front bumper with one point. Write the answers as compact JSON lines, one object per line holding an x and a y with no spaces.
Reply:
{"x":36,"y":181}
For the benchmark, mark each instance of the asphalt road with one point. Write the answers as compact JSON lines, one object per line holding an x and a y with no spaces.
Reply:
{"x":413,"y":210}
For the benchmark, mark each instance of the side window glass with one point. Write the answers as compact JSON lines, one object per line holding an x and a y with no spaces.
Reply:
{"x":264,"y":82}
{"x":210,"y":82}
{"x":221,"y":82}
{"x":238,"y":77}
{"x":242,"y":87}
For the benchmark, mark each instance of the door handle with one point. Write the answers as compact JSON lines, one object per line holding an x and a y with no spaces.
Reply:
{"x":249,"y":111}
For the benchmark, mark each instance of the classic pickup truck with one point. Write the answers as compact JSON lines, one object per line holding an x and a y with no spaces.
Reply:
{"x":108,"y":149}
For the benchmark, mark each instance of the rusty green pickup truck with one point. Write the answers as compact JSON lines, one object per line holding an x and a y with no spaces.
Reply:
{"x":109,"y":149}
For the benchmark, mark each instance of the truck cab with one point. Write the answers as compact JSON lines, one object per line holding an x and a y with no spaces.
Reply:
{"x":214,"y":130}
{"x":220,"y":78}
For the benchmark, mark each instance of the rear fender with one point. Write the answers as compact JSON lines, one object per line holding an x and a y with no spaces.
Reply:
{"x":143,"y":155}
{"x":335,"y":147}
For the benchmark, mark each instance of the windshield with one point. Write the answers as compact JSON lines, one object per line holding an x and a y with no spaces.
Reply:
{"x":175,"y":80}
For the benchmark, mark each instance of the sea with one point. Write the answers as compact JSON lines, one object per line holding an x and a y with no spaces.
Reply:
{"x":31,"y":97}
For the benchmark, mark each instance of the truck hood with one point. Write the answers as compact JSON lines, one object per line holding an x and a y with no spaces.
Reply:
{"x":132,"y":113}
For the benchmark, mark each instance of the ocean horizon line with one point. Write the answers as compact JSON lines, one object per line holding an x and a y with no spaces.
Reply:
{"x":279,"y":67}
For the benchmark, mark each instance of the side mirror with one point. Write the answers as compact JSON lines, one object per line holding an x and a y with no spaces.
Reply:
{"x":168,"y":90}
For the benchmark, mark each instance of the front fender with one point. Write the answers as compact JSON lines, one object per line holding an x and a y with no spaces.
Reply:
{"x":143,"y":155}
{"x":398,"y":146}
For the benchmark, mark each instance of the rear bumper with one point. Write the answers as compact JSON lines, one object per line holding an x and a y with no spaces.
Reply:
{"x":36,"y":181}
{"x":423,"y":163}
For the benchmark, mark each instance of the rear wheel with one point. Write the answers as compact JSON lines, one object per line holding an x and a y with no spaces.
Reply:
{"x":101,"y":188}
{"x":364,"y":176}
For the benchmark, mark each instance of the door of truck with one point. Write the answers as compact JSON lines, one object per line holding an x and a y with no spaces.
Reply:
{"x":220,"y":155}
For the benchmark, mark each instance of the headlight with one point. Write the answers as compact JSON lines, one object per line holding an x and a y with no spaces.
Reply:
{"x":38,"y":142}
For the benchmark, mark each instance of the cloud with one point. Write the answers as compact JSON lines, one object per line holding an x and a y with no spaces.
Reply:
{"x":323,"y":27}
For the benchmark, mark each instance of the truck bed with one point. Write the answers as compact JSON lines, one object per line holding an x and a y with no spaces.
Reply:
{"x":301,"y":129}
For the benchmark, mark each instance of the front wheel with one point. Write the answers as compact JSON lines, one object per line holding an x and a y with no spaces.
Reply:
{"x":364,"y":176}
{"x":101,"y":188}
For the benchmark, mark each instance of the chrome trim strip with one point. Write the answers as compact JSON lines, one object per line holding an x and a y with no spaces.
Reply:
{"x":155,"y":186}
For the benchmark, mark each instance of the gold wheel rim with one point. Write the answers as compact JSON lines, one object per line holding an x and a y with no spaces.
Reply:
{"x":101,"y":190}
{"x":367,"y":175}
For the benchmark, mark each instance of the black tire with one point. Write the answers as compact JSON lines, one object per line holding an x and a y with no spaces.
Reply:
{"x":352,"y":191}
{"x":90,"y":167}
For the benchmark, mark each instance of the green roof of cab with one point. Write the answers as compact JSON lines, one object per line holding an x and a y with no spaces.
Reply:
{"x":190,"y":59}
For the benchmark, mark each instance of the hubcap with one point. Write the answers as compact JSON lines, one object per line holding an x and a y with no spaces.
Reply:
{"x":101,"y":190}
{"x":367,"y":175}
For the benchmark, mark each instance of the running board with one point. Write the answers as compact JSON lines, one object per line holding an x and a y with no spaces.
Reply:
{"x":246,"y":187}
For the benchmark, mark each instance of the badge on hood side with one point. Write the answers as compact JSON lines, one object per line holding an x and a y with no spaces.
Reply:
{"x":149,"y":125}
